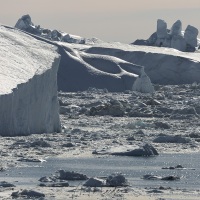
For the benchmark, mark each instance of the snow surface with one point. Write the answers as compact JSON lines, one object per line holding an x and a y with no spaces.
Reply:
{"x":28,"y":84}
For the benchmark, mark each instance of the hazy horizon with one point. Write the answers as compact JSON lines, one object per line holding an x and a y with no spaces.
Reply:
{"x":123,"y":21}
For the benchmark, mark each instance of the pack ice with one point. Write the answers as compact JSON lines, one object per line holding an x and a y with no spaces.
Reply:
{"x":28,"y":84}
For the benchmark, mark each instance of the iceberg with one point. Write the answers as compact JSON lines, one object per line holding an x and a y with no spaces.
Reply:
{"x":25,"y":23}
{"x":165,"y":66}
{"x":118,"y":67}
{"x":28,"y":85}
{"x":175,"y":38}
{"x":80,"y":70}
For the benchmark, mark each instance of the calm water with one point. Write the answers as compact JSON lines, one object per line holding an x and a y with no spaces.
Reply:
{"x":132,"y":167}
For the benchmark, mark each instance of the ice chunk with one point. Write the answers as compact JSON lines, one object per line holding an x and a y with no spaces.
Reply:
{"x":176,"y":28}
{"x":190,"y":35}
{"x":186,"y":41}
{"x":161,"y":29}
{"x":24,"y":22}
{"x":73,"y":39}
{"x":143,"y":84}
{"x":178,"y":42}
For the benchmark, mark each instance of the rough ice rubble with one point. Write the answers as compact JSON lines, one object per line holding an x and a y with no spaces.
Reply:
{"x":186,"y":41}
{"x":28,"y":89}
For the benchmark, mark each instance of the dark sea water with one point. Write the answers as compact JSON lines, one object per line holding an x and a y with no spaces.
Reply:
{"x":132,"y":167}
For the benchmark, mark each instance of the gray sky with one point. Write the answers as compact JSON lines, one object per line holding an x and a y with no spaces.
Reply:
{"x":109,"y":20}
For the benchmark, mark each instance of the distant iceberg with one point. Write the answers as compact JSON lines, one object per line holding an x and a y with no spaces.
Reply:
{"x":175,"y":38}
{"x":165,"y":66}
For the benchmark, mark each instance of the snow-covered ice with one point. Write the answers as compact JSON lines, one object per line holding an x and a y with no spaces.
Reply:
{"x":28,"y":85}
{"x":166,"y":66}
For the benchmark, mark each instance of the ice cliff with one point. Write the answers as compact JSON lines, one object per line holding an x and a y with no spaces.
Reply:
{"x":162,"y":65}
{"x":80,"y":70}
{"x":185,"y":41}
{"x":28,"y":85}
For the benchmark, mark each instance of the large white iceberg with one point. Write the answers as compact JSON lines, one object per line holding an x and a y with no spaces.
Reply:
{"x":28,"y":85}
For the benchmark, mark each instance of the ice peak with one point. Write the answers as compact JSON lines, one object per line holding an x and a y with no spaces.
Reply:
{"x":143,"y":83}
{"x":176,"y":28}
{"x":185,"y":41}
